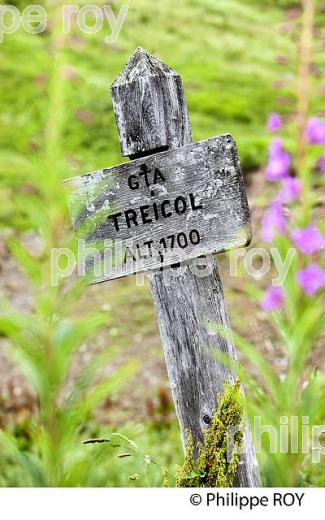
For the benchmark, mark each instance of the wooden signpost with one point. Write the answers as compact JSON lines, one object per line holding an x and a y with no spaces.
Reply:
{"x":174,"y":202}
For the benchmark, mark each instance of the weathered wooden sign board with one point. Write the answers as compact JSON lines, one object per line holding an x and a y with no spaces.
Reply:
{"x":164,"y":209}
{"x":174,"y":202}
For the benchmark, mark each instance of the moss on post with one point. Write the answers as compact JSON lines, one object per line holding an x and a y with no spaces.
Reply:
{"x":212,"y":467}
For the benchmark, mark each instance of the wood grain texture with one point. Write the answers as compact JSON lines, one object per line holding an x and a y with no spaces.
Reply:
{"x":187,"y":305}
{"x":165,"y":208}
{"x":145,"y":96}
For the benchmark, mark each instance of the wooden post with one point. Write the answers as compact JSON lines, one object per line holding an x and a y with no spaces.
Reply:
{"x":152,"y":116}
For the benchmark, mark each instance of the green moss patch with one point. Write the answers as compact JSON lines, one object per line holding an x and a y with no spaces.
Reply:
{"x":211,"y":468}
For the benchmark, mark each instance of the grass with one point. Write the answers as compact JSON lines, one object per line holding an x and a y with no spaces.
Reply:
{"x":135,"y":457}
{"x":225,"y":51}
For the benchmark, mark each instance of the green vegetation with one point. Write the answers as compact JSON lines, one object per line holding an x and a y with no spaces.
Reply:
{"x":212,"y":467}
{"x":226,"y":52}
{"x":128,"y":458}
{"x":238,"y":61}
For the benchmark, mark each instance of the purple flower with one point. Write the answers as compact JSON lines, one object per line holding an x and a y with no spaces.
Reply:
{"x":321,"y":163}
{"x":278,"y":168}
{"x":273,"y":221}
{"x":279,"y":162}
{"x":311,"y":279}
{"x":291,"y":190}
{"x":273,"y":299}
{"x":275,"y":147}
{"x":308,"y":240}
{"x":274,"y":122}
{"x":315,"y":131}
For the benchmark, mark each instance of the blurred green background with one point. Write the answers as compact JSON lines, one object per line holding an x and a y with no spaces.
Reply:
{"x":239,"y":62}
{"x":231,"y":55}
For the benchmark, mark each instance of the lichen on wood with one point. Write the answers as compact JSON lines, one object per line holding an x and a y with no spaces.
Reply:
{"x":212,"y":467}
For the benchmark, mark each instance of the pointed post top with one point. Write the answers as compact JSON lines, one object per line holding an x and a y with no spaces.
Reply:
{"x":142,"y":65}
{"x":150,"y":106}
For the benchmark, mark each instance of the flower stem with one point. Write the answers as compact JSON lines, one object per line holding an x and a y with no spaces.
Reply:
{"x":305,"y":54}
